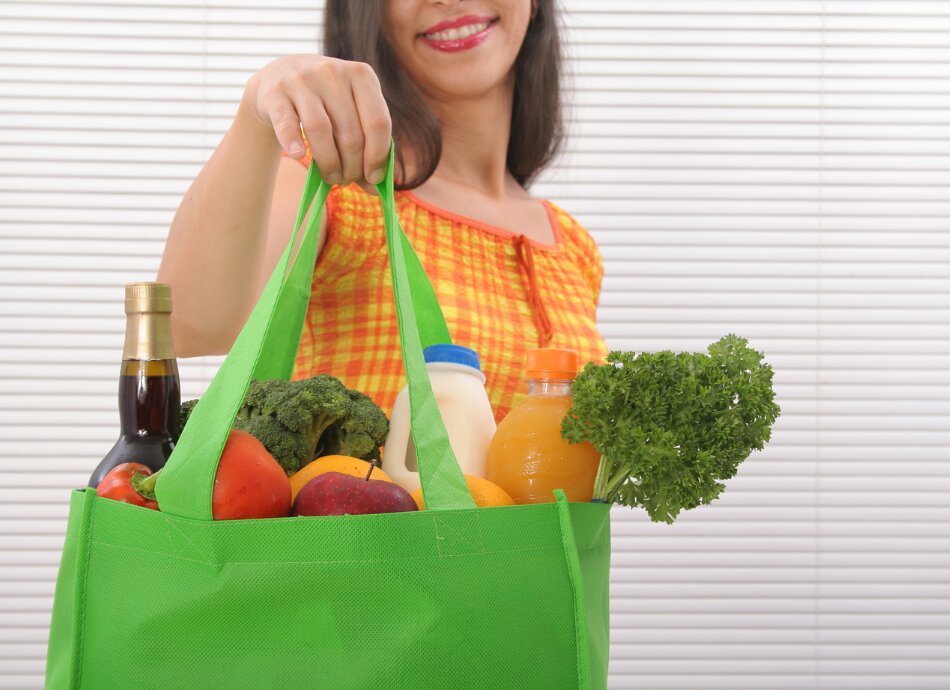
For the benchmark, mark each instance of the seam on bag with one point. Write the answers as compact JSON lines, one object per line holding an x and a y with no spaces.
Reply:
{"x":590,"y":549}
{"x":596,"y":546}
{"x":124,"y":547}
{"x":172,"y":529}
{"x":78,"y":641}
{"x":569,"y":548}
{"x":458,"y":534}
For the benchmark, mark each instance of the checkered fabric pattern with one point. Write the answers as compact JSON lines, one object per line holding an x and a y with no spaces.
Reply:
{"x":489,"y":292}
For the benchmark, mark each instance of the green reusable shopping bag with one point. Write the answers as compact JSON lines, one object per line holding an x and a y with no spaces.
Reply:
{"x":450,"y":597}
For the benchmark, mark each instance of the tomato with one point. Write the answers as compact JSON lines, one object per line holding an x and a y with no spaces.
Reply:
{"x":249,"y":483}
{"x":117,"y":485}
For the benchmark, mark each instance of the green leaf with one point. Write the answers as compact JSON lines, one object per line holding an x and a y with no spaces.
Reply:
{"x":671,"y":427}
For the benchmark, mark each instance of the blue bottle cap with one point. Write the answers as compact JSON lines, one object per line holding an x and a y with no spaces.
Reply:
{"x":455,"y":354}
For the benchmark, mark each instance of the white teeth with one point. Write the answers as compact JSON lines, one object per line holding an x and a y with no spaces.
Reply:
{"x":458,"y":34}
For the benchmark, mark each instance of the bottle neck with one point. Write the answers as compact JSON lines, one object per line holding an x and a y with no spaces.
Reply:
{"x":549,"y":387}
{"x":149,"y":387}
{"x":148,"y":336}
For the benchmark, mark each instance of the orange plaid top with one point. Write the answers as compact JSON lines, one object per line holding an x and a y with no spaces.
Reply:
{"x":500,"y":292}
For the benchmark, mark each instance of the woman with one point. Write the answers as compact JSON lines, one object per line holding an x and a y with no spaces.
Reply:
{"x":469,"y":91}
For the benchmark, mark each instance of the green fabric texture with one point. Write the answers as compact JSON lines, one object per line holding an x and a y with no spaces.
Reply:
{"x":268,"y":343}
{"x":451,"y":597}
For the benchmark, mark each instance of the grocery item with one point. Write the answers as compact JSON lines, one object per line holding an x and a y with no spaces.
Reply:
{"x":149,"y":389}
{"x":459,"y":387}
{"x":248,"y":482}
{"x":672,"y":426}
{"x":452,"y":597}
{"x":335,"y":493}
{"x":527,"y":456}
{"x":344,"y":464}
{"x":119,"y":486}
{"x":485,"y":493}
{"x":298,"y":421}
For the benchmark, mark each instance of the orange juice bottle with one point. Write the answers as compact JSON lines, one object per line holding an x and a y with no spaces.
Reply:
{"x":527,"y":456}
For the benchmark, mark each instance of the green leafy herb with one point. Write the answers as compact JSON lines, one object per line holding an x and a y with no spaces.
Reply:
{"x":670,"y":427}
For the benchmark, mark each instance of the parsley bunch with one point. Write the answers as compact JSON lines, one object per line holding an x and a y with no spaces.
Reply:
{"x":670,"y":427}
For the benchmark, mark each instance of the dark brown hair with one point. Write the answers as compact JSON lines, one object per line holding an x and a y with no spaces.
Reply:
{"x":354,"y":31}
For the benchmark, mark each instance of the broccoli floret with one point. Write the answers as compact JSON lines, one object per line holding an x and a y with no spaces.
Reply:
{"x":298,"y":421}
{"x":301,"y":412}
{"x":308,"y":406}
{"x":360,"y":432}
{"x":289,"y":448}
{"x":329,"y":405}
{"x":184,"y":412}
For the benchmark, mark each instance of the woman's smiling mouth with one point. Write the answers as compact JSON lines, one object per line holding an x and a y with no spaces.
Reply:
{"x":460,"y":34}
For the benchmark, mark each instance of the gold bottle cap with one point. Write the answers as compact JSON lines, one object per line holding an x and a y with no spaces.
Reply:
{"x":141,"y":298}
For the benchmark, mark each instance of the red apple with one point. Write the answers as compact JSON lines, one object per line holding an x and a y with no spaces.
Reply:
{"x":335,"y":493}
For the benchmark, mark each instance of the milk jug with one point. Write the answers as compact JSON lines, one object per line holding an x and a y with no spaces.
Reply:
{"x":459,"y":387}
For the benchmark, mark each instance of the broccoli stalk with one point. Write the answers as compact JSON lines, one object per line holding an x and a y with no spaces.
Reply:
{"x":670,"y":426}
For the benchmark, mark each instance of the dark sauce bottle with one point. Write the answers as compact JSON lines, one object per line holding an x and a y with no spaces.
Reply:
{"x":149,"y":387}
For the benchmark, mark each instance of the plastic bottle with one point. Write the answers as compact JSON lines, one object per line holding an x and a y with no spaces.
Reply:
{"x":527,"y":457}
{"x":459,"y":387}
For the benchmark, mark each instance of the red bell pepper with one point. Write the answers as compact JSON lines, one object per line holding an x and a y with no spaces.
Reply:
{"x":118,"y":485}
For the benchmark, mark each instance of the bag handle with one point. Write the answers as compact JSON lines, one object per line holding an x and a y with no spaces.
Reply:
{"x":267,"y":346}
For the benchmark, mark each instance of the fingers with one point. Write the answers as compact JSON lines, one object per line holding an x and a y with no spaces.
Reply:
{"x":286,"y":123}
{"x":375,"y":122}
{"x":318,"y":129}
{"x":338,"y":106}
{"x":347,"y":131}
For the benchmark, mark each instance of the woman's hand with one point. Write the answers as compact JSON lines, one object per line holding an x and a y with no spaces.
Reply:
{"x":340,"y":107}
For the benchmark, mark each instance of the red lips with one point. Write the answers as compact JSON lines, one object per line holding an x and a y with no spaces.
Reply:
{"x":459,"y":22}
{"x":455,"y":45}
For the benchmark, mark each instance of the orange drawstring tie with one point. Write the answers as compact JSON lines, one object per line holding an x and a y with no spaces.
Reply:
{"x":539,"y":314}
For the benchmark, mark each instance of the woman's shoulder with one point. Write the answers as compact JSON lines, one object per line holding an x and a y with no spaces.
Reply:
{"x":580,"y":248}
{"x":573,"y":233}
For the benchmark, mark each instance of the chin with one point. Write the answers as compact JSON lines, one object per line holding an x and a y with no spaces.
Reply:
{"x":476,"y":84}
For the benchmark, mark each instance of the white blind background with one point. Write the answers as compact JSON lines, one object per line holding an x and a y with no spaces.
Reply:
{"x":776,"y":168}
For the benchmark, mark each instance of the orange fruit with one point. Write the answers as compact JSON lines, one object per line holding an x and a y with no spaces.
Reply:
{"x":333,"y":463}
{"x":483,"y":491}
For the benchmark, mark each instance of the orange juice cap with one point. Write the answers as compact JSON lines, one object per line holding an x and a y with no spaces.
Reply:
{"x":552,"y":363}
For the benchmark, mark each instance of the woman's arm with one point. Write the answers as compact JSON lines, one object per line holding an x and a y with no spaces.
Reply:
{"x":238,"y":214}
{"x":227,"y":224}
